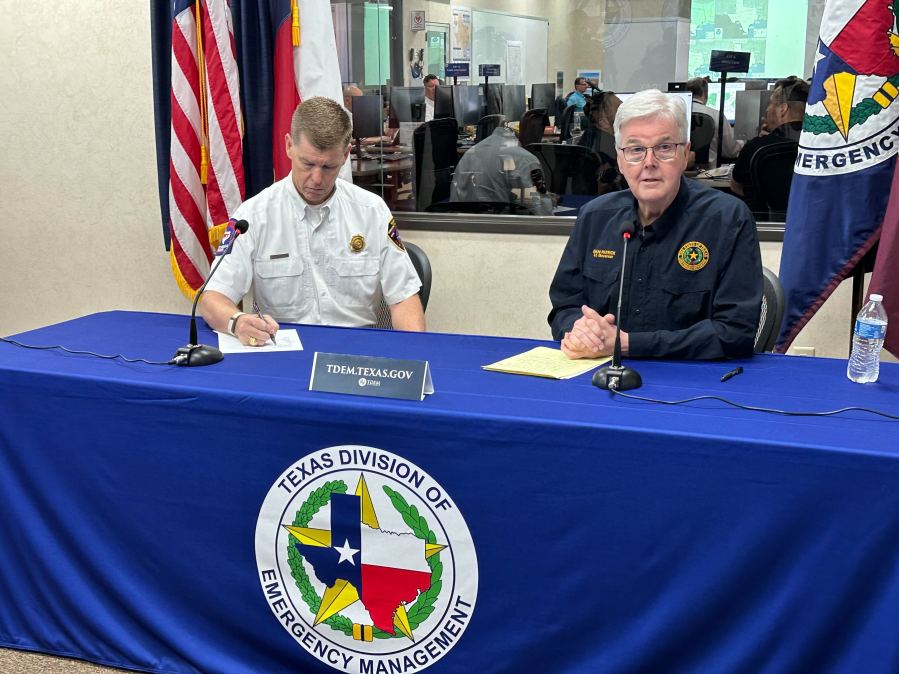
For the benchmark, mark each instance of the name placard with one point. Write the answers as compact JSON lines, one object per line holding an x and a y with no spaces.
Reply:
{"x":456,"y":69}
{"x":489,"y":70}
{"x":371,"y":376}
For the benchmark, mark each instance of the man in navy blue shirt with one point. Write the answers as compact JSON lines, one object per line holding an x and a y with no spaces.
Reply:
{"x":693,"y":283}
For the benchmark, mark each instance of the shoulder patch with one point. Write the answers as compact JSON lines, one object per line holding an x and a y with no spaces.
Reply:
{"x":393,"y":233}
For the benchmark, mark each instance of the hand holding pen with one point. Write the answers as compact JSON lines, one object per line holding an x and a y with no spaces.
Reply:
{"x":265,"y":320}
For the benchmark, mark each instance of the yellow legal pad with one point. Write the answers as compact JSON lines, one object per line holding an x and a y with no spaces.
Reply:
{"x":542,"y":361}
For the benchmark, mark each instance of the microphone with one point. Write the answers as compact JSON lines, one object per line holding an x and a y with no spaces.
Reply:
{"x":616,"y":377}
{"x":193,"y":354}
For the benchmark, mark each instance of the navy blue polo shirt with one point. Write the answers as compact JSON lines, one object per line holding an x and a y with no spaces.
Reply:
{"x":693,"y":282}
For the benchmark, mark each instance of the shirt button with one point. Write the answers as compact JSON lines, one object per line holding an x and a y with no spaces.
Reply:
{"x":636,"y":311}
{"x":640,"y":280}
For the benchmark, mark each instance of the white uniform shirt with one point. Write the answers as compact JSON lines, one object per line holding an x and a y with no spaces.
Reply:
{"x":429,"y":109}
{"x":732,"y":146}
{"x":303,"y":262}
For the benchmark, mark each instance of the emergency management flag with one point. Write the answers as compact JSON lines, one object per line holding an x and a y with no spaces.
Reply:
{"x":847,"y":155}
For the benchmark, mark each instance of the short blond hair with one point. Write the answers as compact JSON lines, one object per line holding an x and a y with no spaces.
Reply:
{"x":322,"y":122}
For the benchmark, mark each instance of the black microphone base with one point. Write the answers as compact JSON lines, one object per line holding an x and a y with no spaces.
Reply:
{"x":618,"y":378}
{"x":195,"y":355}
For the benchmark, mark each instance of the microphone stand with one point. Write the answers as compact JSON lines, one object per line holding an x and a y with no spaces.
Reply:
{"x":194,"y":354}
{"x":617,"y":377}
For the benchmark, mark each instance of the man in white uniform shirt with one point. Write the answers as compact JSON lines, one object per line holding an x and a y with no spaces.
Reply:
{"x":699,"y":87}
{"x":318,"y":249}
{"x":430,"y":83}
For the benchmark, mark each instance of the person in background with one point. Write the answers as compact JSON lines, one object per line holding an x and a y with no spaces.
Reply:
{"x":600,"y":112}
{"x":783,"y":122}
{"x":699,"y":87}
{"x":430,"y":84}
{"x":576,"y":97}
{"x":694,"y":271}
{"x":319,"y":249}
{"x":349,"y":92}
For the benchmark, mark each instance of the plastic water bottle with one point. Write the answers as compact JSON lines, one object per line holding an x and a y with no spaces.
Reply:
{"x":870,"y":330}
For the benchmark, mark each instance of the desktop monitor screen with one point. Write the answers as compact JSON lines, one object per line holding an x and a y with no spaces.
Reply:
{"x":367,"y":113}
{"x":467,"y":104}
{"x":513,"y":102}
{"x":407,"y":104}
{"x":686,"y":96}
{"x":493,"y":93}
{"x":443,"y":102}
{"x":543,"y":96}
{"x":730,"y":97}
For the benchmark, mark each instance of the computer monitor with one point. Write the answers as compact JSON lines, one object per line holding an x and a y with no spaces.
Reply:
{"x":443,"y":102}
{"x":543,"y":96}
{"x":513,"y":102}
{"x":730,"y":97}
{"x":367,"y":113}
{"x":493,"y":95}
{"x":686,"y":96}
{"x":467,"y":105}
{"x":407,"y":104}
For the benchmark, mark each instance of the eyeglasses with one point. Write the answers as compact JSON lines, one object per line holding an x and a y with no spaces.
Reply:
{"x":637,"y":153}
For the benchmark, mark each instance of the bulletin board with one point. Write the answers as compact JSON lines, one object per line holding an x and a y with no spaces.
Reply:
{"x":518,"y":43}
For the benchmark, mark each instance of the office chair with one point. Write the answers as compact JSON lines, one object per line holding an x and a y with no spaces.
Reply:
{"x":771,"y":170}
{"x":702,"y":131}
{"x":487,"y":125}
{"x":569,"y":169}
{"x":423,"y":269}
{"x":435,"y":158}
{"x":564,"y":123}
{"x":530,"y":129}
{"x":772,"y":312}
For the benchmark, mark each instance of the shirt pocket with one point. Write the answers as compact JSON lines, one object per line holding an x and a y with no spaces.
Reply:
{"x":278,"y":284}
{"x":601,"y":286}
{"x":357,"y":280}
{"x":687,"y":301}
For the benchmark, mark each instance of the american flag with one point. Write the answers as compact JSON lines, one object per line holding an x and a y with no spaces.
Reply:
{"x":285,"y":51}
{"x":206,"y":180}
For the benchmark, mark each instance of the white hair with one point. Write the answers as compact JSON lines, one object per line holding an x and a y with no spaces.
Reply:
{"x":648,"y":104}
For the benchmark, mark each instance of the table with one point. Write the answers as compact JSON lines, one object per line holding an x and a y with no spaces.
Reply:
{"x":610,"y":535}
{"x":386,"y":178}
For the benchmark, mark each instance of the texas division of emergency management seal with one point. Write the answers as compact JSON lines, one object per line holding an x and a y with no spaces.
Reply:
{"x":366,"y":561}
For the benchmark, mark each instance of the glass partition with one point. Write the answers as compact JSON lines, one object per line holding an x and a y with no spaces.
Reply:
{"x":507,"y":71}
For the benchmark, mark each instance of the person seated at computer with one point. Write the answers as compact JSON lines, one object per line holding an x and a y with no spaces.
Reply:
{"x":699,"y":87}
{"x":430,"y":84}
{"x":693,"y":285}
{"x":318,"y":249}
{"x":600,"y":137}
{"x":499,"y":170}
{"x":349,"y":93}
{"x":783,"y":122}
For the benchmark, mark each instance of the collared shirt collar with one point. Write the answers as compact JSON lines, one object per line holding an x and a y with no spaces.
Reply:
{"x":304,"y":208}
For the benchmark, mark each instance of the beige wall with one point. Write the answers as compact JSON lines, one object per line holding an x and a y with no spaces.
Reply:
{"x":81,"y":228}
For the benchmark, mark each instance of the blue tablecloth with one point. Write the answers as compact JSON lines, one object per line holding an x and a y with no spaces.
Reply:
{"x":611,"y":535}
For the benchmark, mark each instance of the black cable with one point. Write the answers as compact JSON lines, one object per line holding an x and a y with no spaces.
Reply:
{"x":753,"y":408}
{"x":87,"y":353}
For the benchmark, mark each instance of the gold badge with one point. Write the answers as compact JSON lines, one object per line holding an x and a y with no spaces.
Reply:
{"x":357,"y":243}
{"x":693,"y":256}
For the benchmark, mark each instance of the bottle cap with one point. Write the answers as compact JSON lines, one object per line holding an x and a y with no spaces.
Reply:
{"x":875,"y":297}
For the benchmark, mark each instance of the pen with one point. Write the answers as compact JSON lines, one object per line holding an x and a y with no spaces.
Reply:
{"x":259,"y":313}
{"x":732,"y":373}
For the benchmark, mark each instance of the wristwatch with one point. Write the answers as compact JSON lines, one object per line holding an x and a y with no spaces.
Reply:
{"x":233,"y":321}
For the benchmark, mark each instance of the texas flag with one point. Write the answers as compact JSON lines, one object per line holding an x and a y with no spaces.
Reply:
{"x":357,"y":561}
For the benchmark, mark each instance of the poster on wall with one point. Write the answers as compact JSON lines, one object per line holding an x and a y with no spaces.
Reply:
{"x":460,"y":34}
{"x":417,"y":20}
{"x":514,"y":68}
{"x":593,"y":76}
